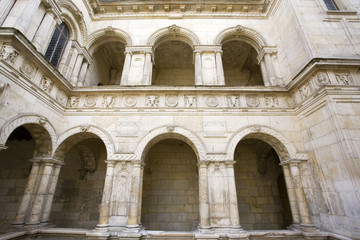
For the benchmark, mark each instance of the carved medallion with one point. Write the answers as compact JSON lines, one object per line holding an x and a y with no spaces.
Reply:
{"x":90,"y":101}
{"x":61,"y":97}
{"x":130,"y":100}
{"x":252,"y":100}
{"x":290,"y":102}
{"x":27,"y":68}
{"x":322,"y":79}
{"x":212,"y":101}
{"x":171,"y":100}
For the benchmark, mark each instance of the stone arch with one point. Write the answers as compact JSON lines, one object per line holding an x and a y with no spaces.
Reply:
{"x":281,"y":145}
{"x":171,"y":132}
{"x":74,"y":19}
{"x":244,"y":34}
{"x":173,"y":32}
{"x":97,"y":38}
{"x":40,"y":128}
{"x":79,"y":133}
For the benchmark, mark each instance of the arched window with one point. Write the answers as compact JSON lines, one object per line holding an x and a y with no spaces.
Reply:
{"x":57,"y":44}
{"x":331,"y":5}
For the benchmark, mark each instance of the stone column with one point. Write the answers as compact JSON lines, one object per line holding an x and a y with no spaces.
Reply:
{"x":35,"y":214}
{"x":203,"y":196}
{"x":76,"y":70}
{"x":126,"y":69}
{"x":43,"y":34}
{"x":135,"y":196}
{"x":51,"y":192}
{"x":264,"y":74}
{"x":106,"y":198}
{"x":82,"y":74}
{"x":270,"y":71}
{"x":198,"y":66}
{"x":6,"y":6}
{"x":147,"y":69}
{"x":291,"y":195}
{"x":30,"y":189}
{"x":219,"y":68}
{"x":25,"y":19}
{"x":67,"y":54}
{"x":234,"y":211}
{"x":305,"y":219}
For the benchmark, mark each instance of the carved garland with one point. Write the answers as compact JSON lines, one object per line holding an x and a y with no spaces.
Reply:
{"x":105,"y":137}
{"x":161,"y":133}
{"x":284,"y":148}
{"x":14,"y":123}
{"x":242,"y":33}
{"x":173,"y":31}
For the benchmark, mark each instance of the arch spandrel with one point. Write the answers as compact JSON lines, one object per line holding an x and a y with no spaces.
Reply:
{"x":241,"y":33}
{"x":168,"y":132}
{"x":71,"y":137}
{"x":47,"y":141}
{"x":284,"y":148}
{"x":173,"y":32}
{"x":99,"y":37}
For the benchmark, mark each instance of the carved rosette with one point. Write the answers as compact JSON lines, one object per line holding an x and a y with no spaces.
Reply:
{"x":252,"y":100}
{"x":171,"y":100}
{"x":322,"y":79}
{"x":130,"y":100}
{"x":212,"y":101}
{"x":190,"y":101}
{"x":27,"y":68}
{"x":61,"y":97}
{"x":90,"y":101}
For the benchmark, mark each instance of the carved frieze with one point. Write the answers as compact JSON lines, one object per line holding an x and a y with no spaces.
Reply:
{"x":152,"y":101}
{"x":322,"y":79}
{"x":8,"y":53}
{"x":232,"y":101}
{"x":61,"y":97}
{"x":90,"y":101}
{"x":211,"y":101}
{"x":171,"y":100}
{"x":190,"y":101}
{"x":73,"y":102}
{"x":108,"y":101}
{"x":343,"y":78}
{"x":271,"y":101}
{"x":27,"y":68}
{"x":130,"y":100}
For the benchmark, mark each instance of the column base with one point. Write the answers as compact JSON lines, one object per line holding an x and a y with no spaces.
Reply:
{"x":102,"y":228}
{"x":308,"y":228}
{"x":133,"y":228}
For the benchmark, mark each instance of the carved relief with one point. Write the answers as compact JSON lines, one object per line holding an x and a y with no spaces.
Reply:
{"x":232,"y":101}
{"x":343,"y":78}
{"x":46,"y":84}
{"x":305,"y":91}
{"x":130,"y":100}
{"x":152,"y":101}
{"x":171,"y":100}
{"x":212,"y":101}
{"x":43,"y":120}
{"x":120,"y":198}
{"x":109,"y":101}
{"x":322,"y":79}
{"x":290,"y":102}
{"x":127,"y":128}
{"x":271,"y":101}
{"x":73,"y":102}
{"x":27,"y":68}
{"x":8,"y":53}
{"x":214,"y":128}
{"x":190,"y":101}
{"x":252,"y":100}
{"x":61,"y":97}
{"x":90,"y":101}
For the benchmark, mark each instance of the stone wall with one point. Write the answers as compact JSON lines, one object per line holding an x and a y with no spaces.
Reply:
{"x":170,"y":188}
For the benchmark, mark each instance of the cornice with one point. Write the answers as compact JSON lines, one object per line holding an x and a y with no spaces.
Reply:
{"x":125,"y":9}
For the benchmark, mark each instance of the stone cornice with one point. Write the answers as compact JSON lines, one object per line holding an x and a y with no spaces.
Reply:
{"x":180,"y":9}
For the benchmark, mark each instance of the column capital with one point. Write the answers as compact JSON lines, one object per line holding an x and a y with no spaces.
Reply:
{"x":202,"y":164}
{"x":291,"y":162}
{"x":264,"y":51}
{"x":110,"y":163}
{"x":3,"y":147}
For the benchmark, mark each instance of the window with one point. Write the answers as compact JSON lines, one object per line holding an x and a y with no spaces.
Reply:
{"x":57,"y":44}
{"x":331,"y":5}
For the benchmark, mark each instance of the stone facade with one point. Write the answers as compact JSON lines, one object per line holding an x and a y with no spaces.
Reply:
{"x":179,"y":120}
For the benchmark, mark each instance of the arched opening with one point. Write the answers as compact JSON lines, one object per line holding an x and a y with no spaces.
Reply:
{"x":81,"y":180}
{"x":262,"y":197}
{"x":240,"y":64}
{"x":15,"y":166}
{"x":170,"y":196}
{"x":109,"y":61}
{"x":57,"y":44}
{"x":173,"y":65}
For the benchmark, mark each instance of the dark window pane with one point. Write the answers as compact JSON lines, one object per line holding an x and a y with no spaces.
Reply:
{"x":330,"y":4}
{"x":57,"y":44}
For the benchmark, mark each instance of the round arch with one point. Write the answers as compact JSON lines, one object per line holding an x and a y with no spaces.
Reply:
{"x":173,"y":32}
{"x":244,"y":34}
{"x":74,"y":19}
{"x":281,"y":145}
{"x":174,"y":132}
{"x":79,"y":133}
{"x":109,"y":34}
{"x":36,"y":125}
